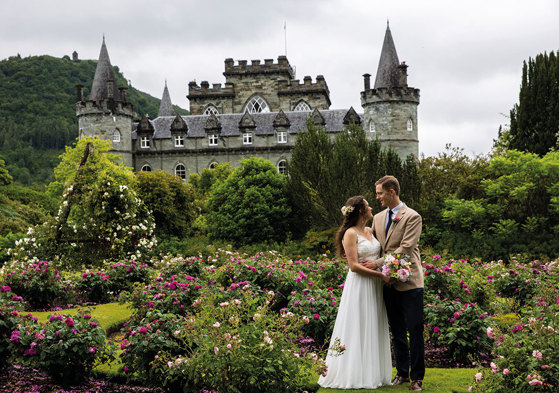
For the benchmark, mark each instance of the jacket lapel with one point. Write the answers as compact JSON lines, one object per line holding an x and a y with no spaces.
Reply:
{"x":400,"y":214}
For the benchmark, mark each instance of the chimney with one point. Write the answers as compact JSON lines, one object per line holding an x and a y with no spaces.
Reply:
{"x":367,"y":80}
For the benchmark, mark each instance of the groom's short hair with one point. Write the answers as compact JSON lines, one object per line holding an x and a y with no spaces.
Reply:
{"x":389,"y":182}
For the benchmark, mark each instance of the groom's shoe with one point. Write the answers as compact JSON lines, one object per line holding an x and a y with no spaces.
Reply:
{"x":398,"y":380}
{"x":416,"y":385}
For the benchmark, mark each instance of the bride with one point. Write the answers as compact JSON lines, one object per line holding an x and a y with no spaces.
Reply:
{"x":361,"y":324}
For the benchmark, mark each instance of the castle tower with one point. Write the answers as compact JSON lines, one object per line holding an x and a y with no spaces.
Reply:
{"x":107,"y":114}
{"x":390,"y":108}
{"x":166,"y":106}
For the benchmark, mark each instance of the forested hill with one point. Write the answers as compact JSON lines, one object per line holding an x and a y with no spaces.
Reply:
{"x":38,"y":111}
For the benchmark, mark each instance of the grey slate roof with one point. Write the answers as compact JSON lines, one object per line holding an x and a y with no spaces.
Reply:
{"x":334,"y":121}
{"x":166,"y":106}
{"x":387,"y":72}
{"x":103,"y":73}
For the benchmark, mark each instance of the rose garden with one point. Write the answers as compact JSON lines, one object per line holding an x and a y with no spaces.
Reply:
{"x":99,"y":295}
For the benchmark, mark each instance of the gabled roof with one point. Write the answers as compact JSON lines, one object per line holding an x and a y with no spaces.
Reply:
{"x":388,"y":74}
{"x":103,"y":73}
{"x":166,"y":106}
{"x":333,"y":119}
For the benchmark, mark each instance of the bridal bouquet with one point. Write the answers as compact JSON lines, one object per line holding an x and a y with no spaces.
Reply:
{"x":397,"y":266}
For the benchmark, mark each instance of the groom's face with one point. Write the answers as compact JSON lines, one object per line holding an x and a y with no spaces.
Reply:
{"x":384,"y":196}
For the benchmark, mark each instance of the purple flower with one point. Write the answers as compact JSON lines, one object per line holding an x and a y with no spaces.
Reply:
{"x":316,"y":316}
{"x":436,"y":329}
{"x":69,"y":322}
{"x":15,"y":336}
{"x":92,"y":349}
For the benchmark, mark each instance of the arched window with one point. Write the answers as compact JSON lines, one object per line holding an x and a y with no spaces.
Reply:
{"x":146,"y":168}
{"x":180,"y":171}
{"x":282,"y":167}
{"x":211,"y":109}
{"x":257,"y":105}
{"x":116,"y":135}
{"x":302,"y":106}
{"x":212,"y":165}
{"x":410,"y":125}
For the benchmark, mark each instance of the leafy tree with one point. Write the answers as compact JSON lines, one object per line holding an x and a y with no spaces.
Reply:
{"x":5,"y":177}
{"x":100,"y":215}
{"x":170,"y":200}
{"x":449,"y":174}
{"x":516,"y":212}
{"x":324,"y":172}
{"x":251,"y":205}
{"x":534,"y":121}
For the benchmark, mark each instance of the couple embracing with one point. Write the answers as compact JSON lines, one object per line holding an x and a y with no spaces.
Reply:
{"x":371,"y":300}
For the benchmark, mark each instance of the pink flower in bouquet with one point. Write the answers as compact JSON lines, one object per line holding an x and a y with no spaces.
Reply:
{"x":403,"y":275}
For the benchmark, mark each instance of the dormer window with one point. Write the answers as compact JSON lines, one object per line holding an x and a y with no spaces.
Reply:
{"x":247,"y":138}
{"x":212,"y":140}
{"x":257,"y":105}
{"x":211,"y":109}
{"x":302,"y":106}
{"x":146,"y":168}
{"x":282,"y":136}
{"x":116,"y":136}
{"x":179,"y":141}
{"x":410,"y":125}
{"x":144,"y":142}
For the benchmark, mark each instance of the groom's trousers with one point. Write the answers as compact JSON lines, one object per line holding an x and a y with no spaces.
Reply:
{"x":405,"y":314}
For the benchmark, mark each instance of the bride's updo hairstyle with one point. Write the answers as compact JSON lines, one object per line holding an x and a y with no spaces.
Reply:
{"x":352,"y":210}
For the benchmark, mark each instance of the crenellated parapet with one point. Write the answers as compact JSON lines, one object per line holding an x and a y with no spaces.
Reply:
{"x":407,"y":94}
{"x":108,"y":107}
{"x":205,"y":91}
{"x":294,"y":86}
{"x":257,"y":67}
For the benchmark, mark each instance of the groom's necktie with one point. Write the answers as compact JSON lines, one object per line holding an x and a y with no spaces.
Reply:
{"x":389,"y":221}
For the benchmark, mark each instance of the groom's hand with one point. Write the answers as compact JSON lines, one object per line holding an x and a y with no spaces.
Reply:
{"x":370,"y":264}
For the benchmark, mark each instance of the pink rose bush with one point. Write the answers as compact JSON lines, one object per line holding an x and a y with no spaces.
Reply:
{"x":67,"y":347}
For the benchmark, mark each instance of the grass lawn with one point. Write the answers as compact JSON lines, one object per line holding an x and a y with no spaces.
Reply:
{"x":443,"y":380}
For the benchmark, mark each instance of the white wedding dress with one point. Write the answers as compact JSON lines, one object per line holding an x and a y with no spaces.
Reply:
{"x":362,"y":326}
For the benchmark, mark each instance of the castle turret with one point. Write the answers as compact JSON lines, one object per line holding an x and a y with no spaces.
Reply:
{"x":390,"y":108}
{"x":106,"y":114}
{"x":166,"y":106}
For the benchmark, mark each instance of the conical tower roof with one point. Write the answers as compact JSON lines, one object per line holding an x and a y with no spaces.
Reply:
{"x":388,"y":73}
{"x":166,"y":106}
{"x":103,"y":73}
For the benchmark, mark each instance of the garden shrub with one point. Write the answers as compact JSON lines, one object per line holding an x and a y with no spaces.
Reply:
{"x":67,"y":347}
{"x":250,"y":206}
{"x":10,"y":303}
{"x":239,"y":346}
{"x":458,"y":329}
{"x":38,"y":283}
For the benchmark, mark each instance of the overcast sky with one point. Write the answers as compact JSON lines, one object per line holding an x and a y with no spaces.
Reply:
{"x":465,"y":56}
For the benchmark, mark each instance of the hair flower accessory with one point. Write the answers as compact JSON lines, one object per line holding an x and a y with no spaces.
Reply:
{"x":346,"y":210}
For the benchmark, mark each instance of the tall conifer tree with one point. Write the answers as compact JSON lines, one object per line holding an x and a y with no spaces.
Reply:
{"x":534,"y":121}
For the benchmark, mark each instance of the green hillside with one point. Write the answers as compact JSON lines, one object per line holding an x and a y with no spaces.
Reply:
{"x":37,"y":111}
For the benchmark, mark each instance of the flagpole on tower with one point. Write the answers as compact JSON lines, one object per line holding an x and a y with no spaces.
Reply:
{"x":285,"y":36}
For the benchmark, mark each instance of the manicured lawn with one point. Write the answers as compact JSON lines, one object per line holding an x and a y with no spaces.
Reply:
{"x":107,"y":314}
{"x":443,"y":380}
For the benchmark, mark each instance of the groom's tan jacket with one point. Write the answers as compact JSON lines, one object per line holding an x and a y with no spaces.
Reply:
{"x":402,"y":238}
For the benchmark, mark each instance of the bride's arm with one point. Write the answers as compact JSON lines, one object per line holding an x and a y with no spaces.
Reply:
{"x":350,"y":247}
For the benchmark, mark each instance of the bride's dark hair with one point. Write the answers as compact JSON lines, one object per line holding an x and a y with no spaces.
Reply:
{"x":355,"y":207}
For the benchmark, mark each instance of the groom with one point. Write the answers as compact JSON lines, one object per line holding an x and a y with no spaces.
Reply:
{"x":398,"y":229}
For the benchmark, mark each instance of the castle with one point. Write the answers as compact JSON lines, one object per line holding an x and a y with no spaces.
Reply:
{"x":258,"y":112}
